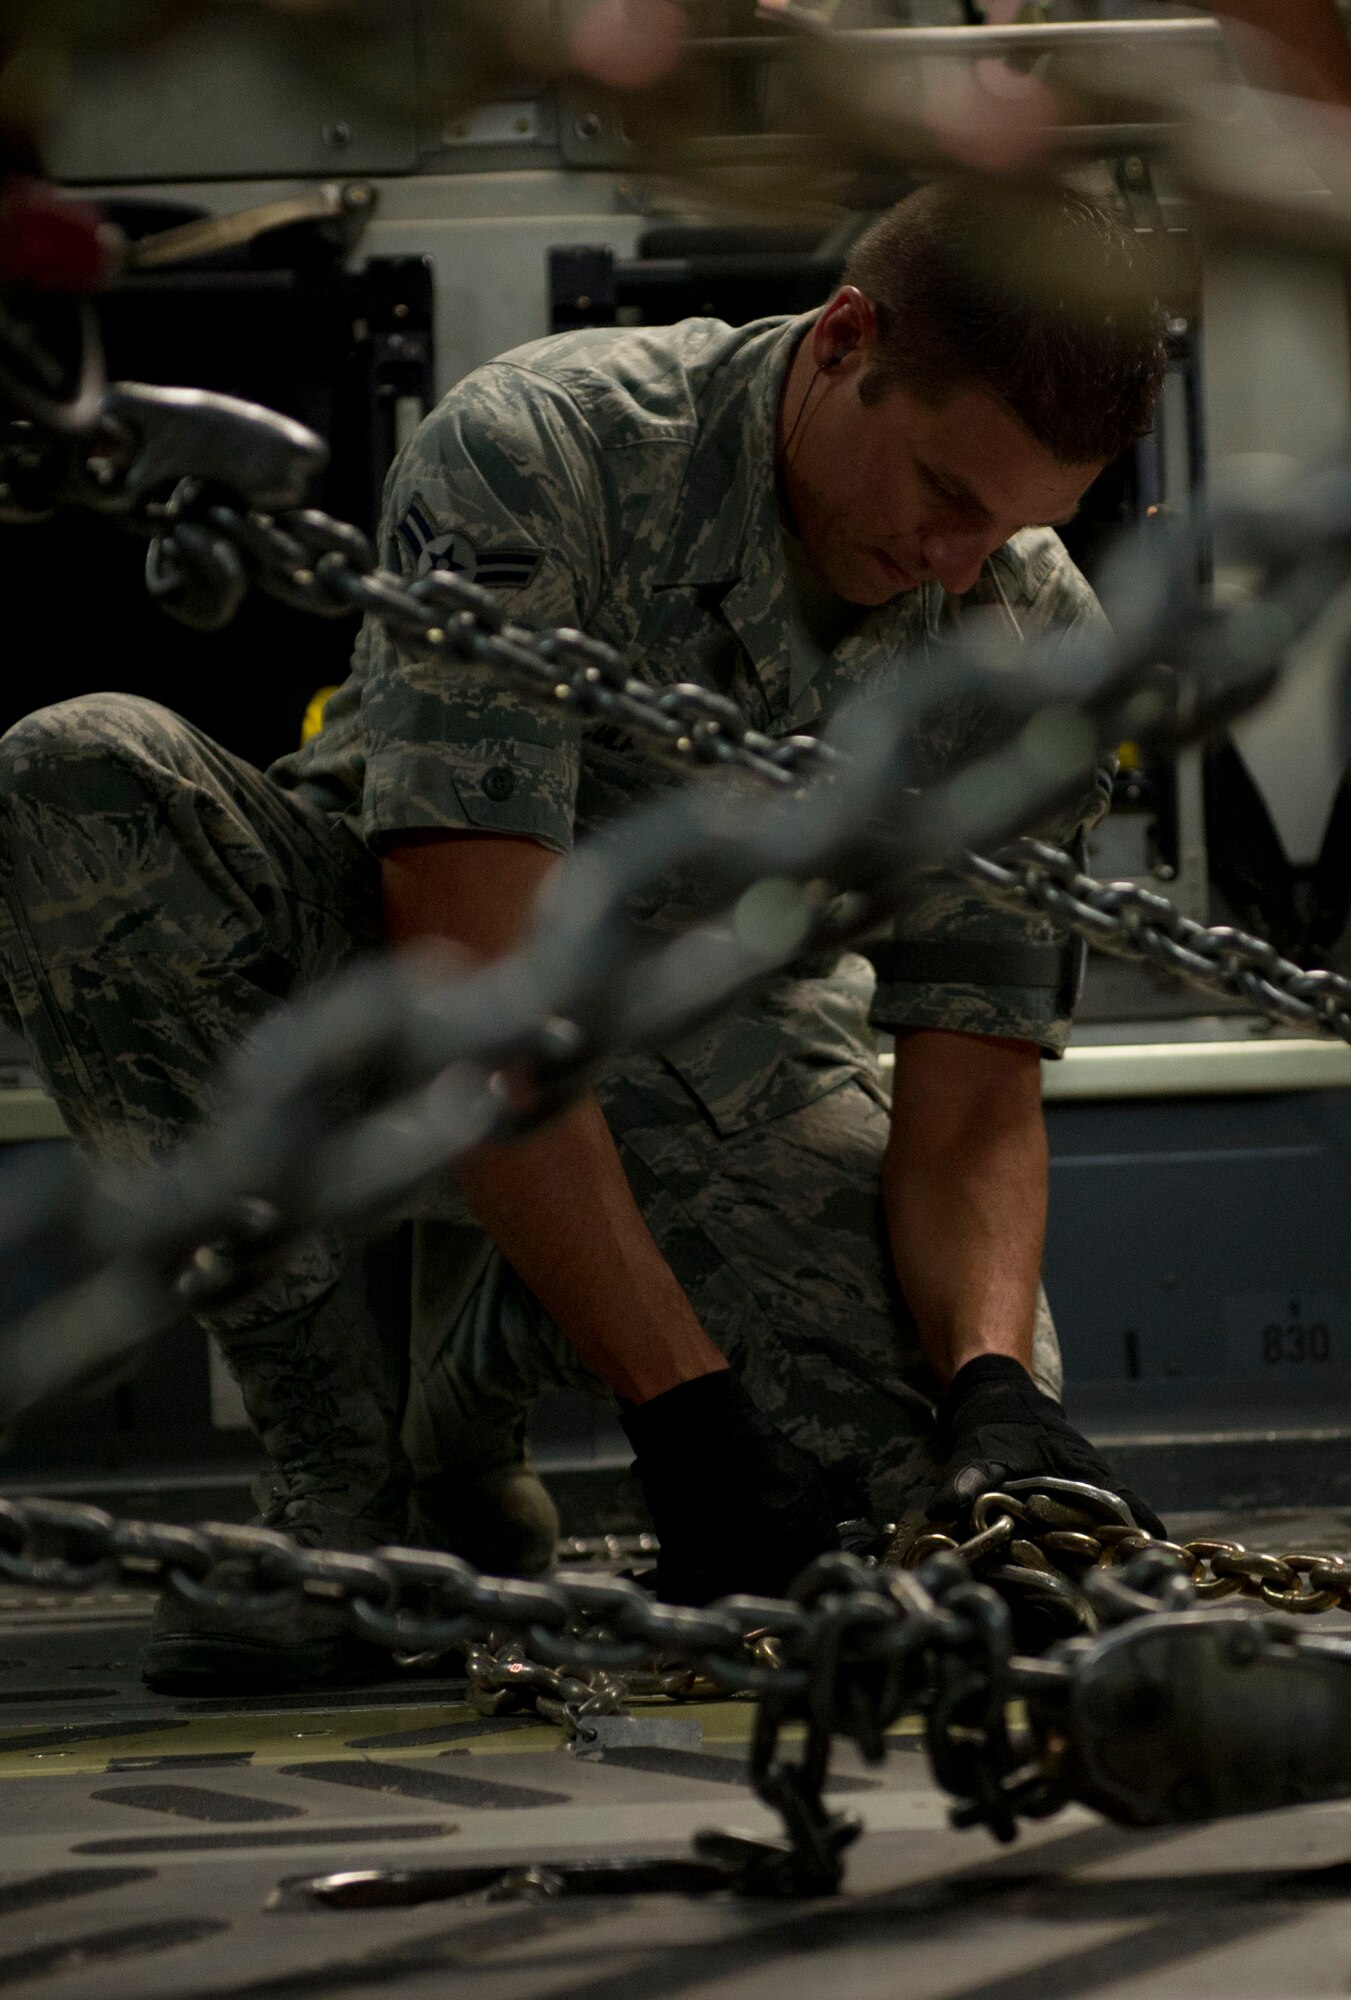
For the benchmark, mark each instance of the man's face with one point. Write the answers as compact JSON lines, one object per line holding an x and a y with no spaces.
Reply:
{"x":889,"y":495}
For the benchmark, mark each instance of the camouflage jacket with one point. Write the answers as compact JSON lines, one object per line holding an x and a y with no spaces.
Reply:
{"x":623,"y":481}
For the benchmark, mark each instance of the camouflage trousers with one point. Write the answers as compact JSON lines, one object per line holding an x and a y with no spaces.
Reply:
{"x":160,"y":896}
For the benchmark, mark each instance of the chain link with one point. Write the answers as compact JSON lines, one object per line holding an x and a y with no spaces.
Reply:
{"x":319,"y":565}
{"x":854,"y":1648}
{"x":1045,"y":1539}
{"x":206,"y":551}
{"x":409,"y":1601}
{"x":563,"y":1640}
{"x":421,"y":1603}
{"x":1132,"y":922}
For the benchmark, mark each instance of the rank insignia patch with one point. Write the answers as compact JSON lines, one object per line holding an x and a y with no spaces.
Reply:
{"x":432,"y":548}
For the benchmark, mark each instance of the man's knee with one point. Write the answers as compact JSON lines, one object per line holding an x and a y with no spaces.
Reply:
{"x":96,"y":753}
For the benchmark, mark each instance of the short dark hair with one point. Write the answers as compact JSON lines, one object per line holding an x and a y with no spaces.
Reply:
{"x":1043,"y":299}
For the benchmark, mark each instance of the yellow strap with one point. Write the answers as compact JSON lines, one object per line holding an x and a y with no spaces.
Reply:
{"x":314,"y":715}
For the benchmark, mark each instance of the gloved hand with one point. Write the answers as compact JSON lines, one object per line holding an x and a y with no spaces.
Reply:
{"x":995,"y":1424}
{"x":737,"y":1506}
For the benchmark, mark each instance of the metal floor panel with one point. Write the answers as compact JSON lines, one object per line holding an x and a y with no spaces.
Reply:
{"x":143,"y":1842}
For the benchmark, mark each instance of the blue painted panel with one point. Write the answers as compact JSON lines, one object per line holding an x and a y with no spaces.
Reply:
{"x":1199,"y":1257}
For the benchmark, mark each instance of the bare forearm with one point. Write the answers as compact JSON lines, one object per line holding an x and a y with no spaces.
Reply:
{"x":559,"y":1207}
{"x":964,"y":1183}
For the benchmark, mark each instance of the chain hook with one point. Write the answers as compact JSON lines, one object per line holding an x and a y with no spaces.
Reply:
{"x":192,"y":573}
{"x":256,"y":455}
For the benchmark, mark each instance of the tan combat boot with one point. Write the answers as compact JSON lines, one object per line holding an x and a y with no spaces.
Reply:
{"x":316,"y":1389}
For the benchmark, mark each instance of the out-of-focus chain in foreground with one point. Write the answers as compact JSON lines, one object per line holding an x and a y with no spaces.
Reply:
{"x":441,"y":1066}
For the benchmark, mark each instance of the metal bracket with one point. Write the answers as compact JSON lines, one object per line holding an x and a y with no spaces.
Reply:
{"x":348,"y":206}
{"x":1203,"y":1714}
{"x":263,"y":458}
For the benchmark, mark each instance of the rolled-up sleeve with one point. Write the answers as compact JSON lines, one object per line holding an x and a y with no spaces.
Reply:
{"x":952,"y":958}
{"x":501,"y":484}
{"x":955,"y":960}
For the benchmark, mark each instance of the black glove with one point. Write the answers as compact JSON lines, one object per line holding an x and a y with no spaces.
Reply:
{"x":736,"y":1505}
{"x":995,"y":1424}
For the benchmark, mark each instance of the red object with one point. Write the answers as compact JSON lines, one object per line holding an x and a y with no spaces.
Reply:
{"x":50,"y":243}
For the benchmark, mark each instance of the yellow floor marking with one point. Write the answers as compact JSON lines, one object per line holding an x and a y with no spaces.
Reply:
{"x":301,"y":1737}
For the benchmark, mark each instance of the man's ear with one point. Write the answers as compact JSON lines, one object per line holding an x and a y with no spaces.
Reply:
{"x":845,"y":331}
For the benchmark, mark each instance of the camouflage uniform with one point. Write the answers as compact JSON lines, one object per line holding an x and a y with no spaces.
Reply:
{"x":621,"y":482}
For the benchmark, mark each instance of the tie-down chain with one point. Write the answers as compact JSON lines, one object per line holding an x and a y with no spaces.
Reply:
{"x":1146,"y":1700}
{"x":218,"y":487}
{"x":1042,"y":1537}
